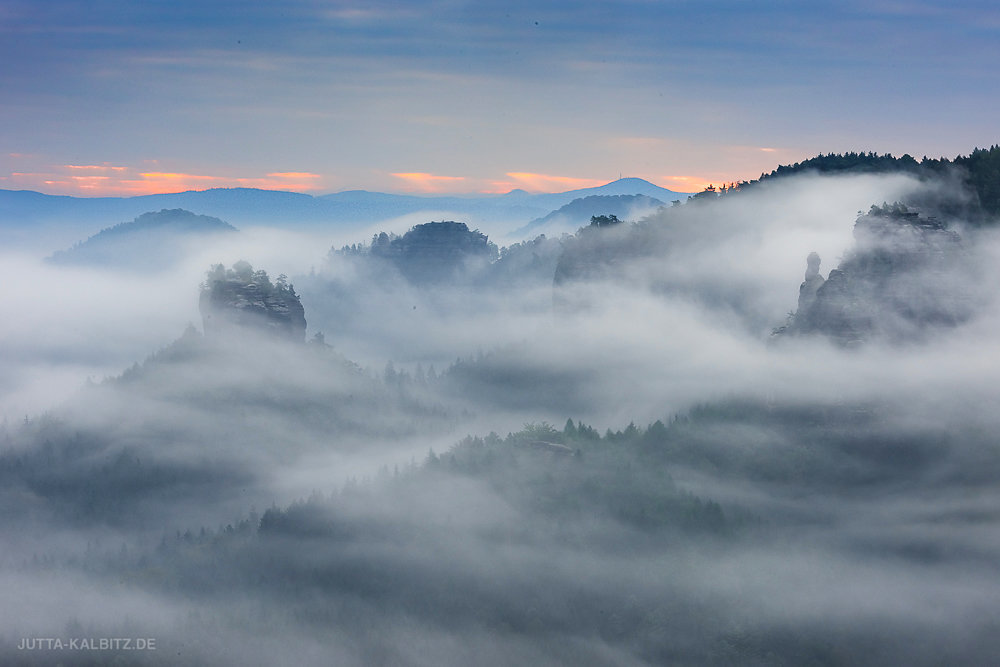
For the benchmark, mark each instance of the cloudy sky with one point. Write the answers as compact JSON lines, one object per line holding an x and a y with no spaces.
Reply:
{"x":119,"y":97}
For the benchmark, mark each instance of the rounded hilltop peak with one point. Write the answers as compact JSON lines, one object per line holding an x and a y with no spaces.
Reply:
{"x":176,"y":217}
{"x":631,"y":180}
{"x":632,"y":185}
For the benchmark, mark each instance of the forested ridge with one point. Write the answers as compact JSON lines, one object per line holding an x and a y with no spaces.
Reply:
{"x":979,"y":171}
{"x":409,"y":543}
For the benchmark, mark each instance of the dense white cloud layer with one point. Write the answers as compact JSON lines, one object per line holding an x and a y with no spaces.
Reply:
{"x":867,"y":550}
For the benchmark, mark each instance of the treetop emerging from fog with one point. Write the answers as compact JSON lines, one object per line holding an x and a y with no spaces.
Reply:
{"x":433,"y":251}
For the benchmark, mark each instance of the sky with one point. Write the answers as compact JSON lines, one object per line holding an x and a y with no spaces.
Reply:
{"x":114,"y":97}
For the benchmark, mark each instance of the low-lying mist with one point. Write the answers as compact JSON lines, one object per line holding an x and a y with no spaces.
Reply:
{"x":593,"y":450}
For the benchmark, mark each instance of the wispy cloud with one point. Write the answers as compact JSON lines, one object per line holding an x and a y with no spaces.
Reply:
{"x":106,"y":179}
{"x":419,"y":181}
{"x":423,"y":182}
{"x":551,"y":183}
{"x":93,"y":167}
{"x":686,"y":183}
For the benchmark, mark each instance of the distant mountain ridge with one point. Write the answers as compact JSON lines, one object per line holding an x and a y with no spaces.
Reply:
{"x":64,"y":219}
{"x":577,"y":213}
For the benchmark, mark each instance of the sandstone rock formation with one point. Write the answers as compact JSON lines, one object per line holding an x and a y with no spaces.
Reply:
{"x":812,"y":283}
{"x":238,"y":298}
{"x":904,"y":277}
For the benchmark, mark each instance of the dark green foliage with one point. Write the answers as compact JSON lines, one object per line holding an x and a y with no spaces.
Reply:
{"x":595,"y":252}
{"x":979,"y":172}
{"x":240,"y":298}
{"x":572,"y":478}
{"x":82,"y":478}
{"x":604,"y":220}
{"x":375,"y":553}
{"x":857,"y":163}
{"x":982,"y":174}
{"x":125,"y":469}
{"x":371,"y":553}
{"x":436,"y":252}
{"x":828,"y":448}
{"x":433,"y":251}
{"x":896,"y":210}
{"x":243,"y":273}
{"x":527,"y":263}
{"x":505,"y":377}
{"x":581,"y":537}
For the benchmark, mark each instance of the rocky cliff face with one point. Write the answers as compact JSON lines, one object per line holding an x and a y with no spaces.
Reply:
{"x":238,"y":298}
{"x":905,"y":276}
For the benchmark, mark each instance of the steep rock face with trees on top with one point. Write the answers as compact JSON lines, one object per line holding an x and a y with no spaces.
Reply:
{"x":240,"y":297}
{"x":905,"y":276}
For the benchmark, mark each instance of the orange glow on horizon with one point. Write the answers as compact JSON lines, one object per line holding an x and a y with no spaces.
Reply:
{"x":419,"y":181}
{"x":105,"y":180}
{"x":113,"y":180}
{"x":293,"y":174}
{"x":550,"y":183}
{"x":689,"y":183}
{"x":427,"y":183}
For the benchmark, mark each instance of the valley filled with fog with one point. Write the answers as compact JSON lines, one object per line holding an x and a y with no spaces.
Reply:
{"x":750,"y":426}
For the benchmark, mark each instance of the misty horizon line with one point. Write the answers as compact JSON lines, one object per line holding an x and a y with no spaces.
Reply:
{"x":472,"y":194}
{"x":523,"y":182}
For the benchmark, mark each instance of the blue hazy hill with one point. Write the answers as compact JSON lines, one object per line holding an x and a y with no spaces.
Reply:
{"x":577,"y":213}
{"x":152,"y":240}
{"x":623,"y":186}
